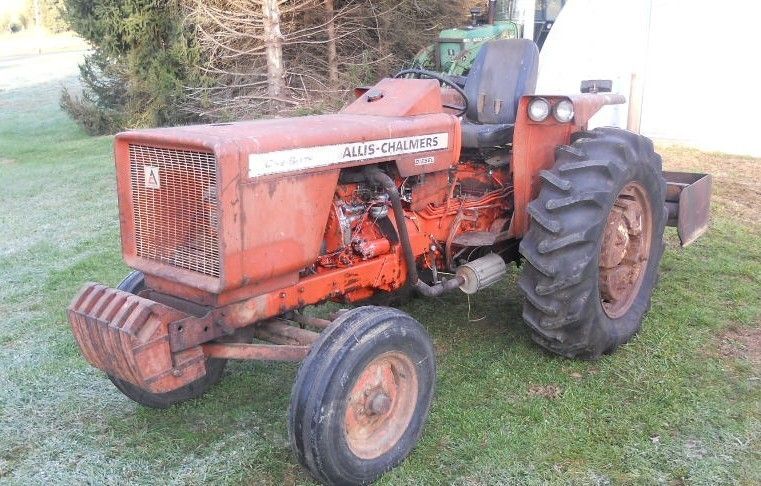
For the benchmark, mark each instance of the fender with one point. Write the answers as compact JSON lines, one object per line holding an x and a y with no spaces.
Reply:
{"x":534,"y":146}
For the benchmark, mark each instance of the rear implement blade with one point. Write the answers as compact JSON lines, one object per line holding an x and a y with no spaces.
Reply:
{"x":688,"y":200}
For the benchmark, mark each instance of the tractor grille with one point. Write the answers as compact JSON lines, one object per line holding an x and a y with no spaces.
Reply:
{"x":175,"y":204}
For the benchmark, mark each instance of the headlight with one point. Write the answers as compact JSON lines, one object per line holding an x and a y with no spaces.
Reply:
{"x":538,"y":109}
{"x":563,"y":111}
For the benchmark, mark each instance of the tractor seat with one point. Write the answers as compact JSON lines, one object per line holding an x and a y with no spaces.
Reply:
{"x":503,"y":71}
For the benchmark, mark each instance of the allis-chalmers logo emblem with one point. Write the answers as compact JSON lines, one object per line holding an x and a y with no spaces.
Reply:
{"x":152,"y":178}
{"x":292,"y":160}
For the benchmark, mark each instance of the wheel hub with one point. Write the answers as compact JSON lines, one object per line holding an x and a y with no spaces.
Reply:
{"x":380,"y":405}
{"x":625,"y":250}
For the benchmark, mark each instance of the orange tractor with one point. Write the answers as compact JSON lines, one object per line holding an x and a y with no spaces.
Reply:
{"x":419,"y":186}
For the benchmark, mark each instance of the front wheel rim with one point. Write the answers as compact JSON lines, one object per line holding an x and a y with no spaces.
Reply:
{"x":381,"y":405}
{"x":625,"y":250}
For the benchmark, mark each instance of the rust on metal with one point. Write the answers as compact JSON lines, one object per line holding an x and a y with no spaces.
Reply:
{"x":625,"y":249}
{"x":688,"y":200}
{"x":263,"y":352}
{"x":279,"y":332}
{"x":372,"y":248}
{"x":381,"y":404}
{"x":127,"y":336}
{"x":311,"y":321}
{"x":534,"y":145}
{"x":399,"y":97}
{"x":168,"y":227}
{"x":237,"y":224}
{"x":192,"y":331}
{"x":175,"y":207}
{"x":585,"y":105}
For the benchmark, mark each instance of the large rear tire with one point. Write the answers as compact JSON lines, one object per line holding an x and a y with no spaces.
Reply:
{"x":594,"y":244}
{"x":362,"y":396}
{"x":134,"y":283}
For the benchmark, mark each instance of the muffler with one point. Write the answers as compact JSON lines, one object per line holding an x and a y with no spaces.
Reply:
{"x":481,"y":273}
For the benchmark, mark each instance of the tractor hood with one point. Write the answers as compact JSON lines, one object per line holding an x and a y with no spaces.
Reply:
{"x":221,"y":206}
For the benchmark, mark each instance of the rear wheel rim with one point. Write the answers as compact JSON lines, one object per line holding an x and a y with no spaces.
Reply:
{"x":625,"y":250}
{"x":381,"y":405}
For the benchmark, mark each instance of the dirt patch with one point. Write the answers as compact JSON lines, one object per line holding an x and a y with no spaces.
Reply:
{"x":6,"y":161}
{"x":551,"y":392}
{"x":736,"y":180}
{"x":743,"y":343}
{"x":580,"y":375}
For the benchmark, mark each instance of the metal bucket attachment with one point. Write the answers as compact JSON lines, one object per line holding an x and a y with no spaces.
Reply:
{"x":128,"y":337}
{"x":688,"y":200}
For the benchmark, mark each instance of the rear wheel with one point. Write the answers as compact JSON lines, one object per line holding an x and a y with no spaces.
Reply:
{"x":362,"y":396}
{"x":595,"y":243}
{"x":134,"y":283}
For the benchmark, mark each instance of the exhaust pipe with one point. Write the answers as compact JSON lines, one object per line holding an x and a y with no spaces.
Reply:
{"x":469,"y":277}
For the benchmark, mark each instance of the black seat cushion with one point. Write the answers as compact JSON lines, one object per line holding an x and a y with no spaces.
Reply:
{"x":482,"y":136}
{"x":503,"y":71}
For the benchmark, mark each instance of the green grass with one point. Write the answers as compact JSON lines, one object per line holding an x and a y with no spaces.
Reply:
{"x":667,"y":408}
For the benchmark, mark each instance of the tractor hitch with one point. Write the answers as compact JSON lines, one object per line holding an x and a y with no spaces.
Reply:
{"x":688,"y":200}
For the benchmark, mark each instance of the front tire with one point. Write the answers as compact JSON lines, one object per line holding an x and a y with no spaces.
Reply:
{"x":134,"y":283}
{"x":362,"y":396}
{"x":595,"y":243}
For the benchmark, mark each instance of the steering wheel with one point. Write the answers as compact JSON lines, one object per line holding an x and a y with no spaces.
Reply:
{"x":445,"y":80}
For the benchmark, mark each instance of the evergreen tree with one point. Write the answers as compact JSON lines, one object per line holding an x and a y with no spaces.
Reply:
{"x":143,"y":58}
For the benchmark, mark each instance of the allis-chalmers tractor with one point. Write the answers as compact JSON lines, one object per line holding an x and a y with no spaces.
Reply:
{"x":418,"y":186}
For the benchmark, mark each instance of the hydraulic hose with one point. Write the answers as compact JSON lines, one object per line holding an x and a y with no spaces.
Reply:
{"x":377,"y":176}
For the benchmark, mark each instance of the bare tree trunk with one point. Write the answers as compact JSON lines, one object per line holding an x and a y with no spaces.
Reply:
{"x":37,"y":15}
{"x":289,"y":54}
{"x":330,"y":28}
{"x":273,"y":40}
{"x":384,"y":34}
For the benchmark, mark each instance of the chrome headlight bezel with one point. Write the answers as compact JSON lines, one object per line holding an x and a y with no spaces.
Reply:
{"x":563,"y":111}
{"x":538,"y":109}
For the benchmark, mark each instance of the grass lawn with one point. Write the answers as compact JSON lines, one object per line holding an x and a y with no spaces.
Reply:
{"x":680,"y":404}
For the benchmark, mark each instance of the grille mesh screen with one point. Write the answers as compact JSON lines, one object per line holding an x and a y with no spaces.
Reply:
{"x":175,"y":201}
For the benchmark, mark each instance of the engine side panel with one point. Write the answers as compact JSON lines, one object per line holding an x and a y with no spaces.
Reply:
{"x":282,"y":224}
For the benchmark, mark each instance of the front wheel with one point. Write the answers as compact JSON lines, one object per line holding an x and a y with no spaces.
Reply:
{"x":362,"y":396}
{"x":595,"y":243}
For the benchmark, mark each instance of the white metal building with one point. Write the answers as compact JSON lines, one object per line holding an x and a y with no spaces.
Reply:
{"x":691,"y":68}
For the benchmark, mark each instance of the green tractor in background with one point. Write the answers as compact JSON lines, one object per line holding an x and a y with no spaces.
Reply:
{"x":456,"y":48}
